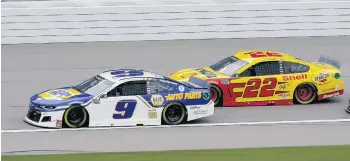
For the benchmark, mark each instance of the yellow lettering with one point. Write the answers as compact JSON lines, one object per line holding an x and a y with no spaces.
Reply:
{"x":193,"y":95}
{"x":177,"y":96}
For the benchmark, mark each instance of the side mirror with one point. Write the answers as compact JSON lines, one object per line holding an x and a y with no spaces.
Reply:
{"x":103,"y":96}
{"x":96,"y":100}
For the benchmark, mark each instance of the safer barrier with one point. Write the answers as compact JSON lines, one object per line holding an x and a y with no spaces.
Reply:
{"x":44,"y":24}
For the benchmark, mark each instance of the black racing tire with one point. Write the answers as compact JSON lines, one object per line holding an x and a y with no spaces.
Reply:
{"x":347,"y":110}
{"x":75,"y":117}
{"x":305,"y":93}
{"x":174,"y":114}
{"x":216,"y":95}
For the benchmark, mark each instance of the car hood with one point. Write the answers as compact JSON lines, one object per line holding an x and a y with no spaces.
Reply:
{"x":203,"y":73}
{"x":60,"y":97}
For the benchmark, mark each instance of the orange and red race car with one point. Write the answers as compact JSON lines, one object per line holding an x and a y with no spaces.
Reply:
{"x":258,"y":77}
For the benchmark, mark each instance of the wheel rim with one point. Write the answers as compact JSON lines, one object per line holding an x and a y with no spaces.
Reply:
{"x":305,"y":93}
{"x":214,"y":94}
{"x":174,"y":113}
{"x":75,"y":116}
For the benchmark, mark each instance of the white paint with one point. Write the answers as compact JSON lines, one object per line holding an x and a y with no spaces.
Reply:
{"x":92,"y":23}
{"x":183,"y":125}
{"x":101,"y":113}
{"x":173,"y":5}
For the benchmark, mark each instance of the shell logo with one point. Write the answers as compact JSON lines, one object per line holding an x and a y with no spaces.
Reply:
{"x":157,"y":100}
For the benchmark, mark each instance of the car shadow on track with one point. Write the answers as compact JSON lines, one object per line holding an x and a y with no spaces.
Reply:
{"x":330,"y":100}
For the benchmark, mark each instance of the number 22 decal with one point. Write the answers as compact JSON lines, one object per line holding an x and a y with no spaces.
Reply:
{"x":258,"y":54}
{"x":252,"y":88}
{"x":125,"y":109}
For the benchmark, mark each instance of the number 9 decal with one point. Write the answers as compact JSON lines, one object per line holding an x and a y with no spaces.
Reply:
{"x":125,"y":73}
{"x":125,"y":109}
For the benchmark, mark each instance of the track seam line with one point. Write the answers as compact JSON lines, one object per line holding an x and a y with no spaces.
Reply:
{"x":183,"y":125}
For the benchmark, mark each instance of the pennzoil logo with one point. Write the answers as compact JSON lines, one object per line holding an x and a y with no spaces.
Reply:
{"x":322,"y":77}
{"x":186,"y":96}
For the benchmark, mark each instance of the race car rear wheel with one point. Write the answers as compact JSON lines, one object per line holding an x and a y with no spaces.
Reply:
{"x":216,"y":95}
{"x":75,"y":117}
{"x":305,"y":93}
{"x":174,"y":114}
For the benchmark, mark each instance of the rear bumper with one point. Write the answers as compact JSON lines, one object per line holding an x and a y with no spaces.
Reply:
{"x":200,"y":111}
{"x":331,"y":94}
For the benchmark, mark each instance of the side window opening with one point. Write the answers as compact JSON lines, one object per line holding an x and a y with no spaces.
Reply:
{"x":129,"y":89}
{"x":158,"y":86}
{"x":290,"y":67}
{"x":263,"y":68}
{"x":247,"y":73}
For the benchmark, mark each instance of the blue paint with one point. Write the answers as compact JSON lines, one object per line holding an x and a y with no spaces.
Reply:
{"x":126,"y":106}
{"x":199,"y":82}
{"x":82,"y":98}
{"x":201,"y":101}
{"x":330,"y":61}
{"x":127,"y":73}
{"x":180,"y":88}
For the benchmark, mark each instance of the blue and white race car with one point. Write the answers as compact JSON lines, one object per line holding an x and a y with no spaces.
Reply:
{"x":123,"y":97}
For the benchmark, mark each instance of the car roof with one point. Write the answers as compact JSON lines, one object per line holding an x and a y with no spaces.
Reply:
{"x":246,"y":56}
{"x":119,"y":74}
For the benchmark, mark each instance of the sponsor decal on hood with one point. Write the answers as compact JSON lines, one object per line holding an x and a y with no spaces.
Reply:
{"x":61,"y":97}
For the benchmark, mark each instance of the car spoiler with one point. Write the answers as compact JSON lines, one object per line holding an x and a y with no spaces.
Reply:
{"x":330,"y":61}
{"x":200,"y":83}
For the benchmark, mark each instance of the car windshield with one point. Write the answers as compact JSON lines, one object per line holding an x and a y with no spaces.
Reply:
{"x":229,"y":65}
{"x":94,"y":85}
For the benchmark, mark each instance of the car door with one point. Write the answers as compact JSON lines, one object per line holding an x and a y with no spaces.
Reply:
{"x":294,"y":73}
{"x":121,"y":106}
{"x":258,"y":82}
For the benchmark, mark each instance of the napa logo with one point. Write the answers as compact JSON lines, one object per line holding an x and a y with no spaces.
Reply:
{"x":157,"y":100}
{"x":59,"y":94}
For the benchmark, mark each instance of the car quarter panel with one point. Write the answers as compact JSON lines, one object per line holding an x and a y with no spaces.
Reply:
{"x":196,"y":101}
{"x":122,"y":111}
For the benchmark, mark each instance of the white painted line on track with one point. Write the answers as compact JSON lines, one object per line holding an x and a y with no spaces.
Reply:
{"x":184,"y":5}
{"x":183,"y":125}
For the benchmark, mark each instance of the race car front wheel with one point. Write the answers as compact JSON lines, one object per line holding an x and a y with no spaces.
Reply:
{"x":75,"y":117}
{"x":216,"y":95}
{"x":174,"y":114}
{"x":305,"y":93}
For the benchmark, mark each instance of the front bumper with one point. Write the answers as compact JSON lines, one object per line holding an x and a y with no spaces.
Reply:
{"x":348,"y":109}
{"x":51,"y":119}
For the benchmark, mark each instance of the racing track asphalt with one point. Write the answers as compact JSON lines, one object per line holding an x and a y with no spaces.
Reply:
{"x":31,"y":68}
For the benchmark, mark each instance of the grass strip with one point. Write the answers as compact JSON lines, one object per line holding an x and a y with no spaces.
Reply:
{"x":314,"y":153}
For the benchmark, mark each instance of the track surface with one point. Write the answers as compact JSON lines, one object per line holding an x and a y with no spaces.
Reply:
{"x":178,"y":138}
{"x":31,"y":68}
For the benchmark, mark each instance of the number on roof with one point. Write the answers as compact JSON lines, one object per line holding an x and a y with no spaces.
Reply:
{"x":126,"y":73}
{"x":259,"y":54}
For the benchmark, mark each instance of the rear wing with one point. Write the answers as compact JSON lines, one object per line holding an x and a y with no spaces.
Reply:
{"x":330,"y":61}
{"x":199,"y":83}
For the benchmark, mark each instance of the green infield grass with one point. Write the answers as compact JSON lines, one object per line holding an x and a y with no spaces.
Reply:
{"x":317,"y":153}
